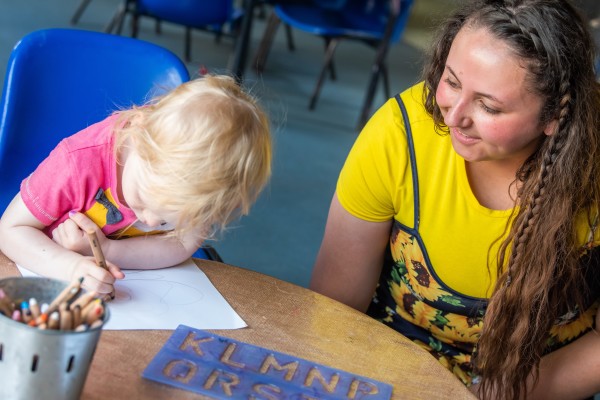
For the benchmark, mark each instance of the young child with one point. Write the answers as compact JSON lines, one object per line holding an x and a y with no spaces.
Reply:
{"x":153,"y":181}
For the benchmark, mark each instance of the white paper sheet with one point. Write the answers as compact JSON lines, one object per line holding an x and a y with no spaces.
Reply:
{"x":166,"y":298}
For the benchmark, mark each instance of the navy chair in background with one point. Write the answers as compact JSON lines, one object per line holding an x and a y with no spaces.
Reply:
{"x":378,"y":23}
{"x":59,"y":81}
{"x":219,"y":17}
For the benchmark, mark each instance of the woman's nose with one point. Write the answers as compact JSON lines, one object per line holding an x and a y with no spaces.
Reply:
{"x":458,"y":114}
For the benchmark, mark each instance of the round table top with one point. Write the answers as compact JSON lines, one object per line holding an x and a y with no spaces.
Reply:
{"x":282,"y":317}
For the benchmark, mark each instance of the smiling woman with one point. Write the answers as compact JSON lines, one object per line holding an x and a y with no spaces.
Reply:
{"x":493,"y":119}
{"x":465,"y":215}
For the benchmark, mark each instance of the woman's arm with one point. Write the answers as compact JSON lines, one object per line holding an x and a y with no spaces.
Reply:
{"x":350,"y":259}
{"x":22,"y":240}
{"x":142,"y":252}
{"x":571,"y":372}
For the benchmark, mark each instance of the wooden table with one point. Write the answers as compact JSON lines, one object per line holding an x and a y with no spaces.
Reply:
{"x":282,"y":317}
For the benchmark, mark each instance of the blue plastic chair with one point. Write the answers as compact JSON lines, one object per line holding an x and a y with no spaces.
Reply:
{"x":59,"y":81}
{"x":220,"y":17}
{"x":378,"y":23}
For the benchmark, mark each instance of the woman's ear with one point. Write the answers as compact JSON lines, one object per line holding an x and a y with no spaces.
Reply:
{"x":551,"y":127}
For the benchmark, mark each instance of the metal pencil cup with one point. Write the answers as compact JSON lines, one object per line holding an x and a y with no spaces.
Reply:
{"x":42,"y":364}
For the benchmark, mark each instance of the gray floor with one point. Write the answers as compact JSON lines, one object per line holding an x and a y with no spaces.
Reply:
{"x":282,"y":234}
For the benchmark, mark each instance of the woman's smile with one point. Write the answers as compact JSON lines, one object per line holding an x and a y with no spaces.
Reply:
{"x":462,"y":137}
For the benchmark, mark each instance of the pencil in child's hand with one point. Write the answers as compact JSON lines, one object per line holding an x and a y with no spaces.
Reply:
{"x":96,"y":249}
{"x":98,"y":254}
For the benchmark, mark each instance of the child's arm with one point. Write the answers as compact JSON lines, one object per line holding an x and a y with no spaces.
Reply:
{"x":143,"y":252}
{"x":22,"y":240}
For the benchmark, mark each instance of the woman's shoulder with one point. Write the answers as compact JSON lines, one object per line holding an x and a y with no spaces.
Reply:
{"x":390,"y":114}
{"x":413,"y":100}
{"x":401,"y":116}
{"x":405,"y":111}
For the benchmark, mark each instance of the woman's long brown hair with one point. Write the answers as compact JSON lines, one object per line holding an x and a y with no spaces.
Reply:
{"x":538,"y":263}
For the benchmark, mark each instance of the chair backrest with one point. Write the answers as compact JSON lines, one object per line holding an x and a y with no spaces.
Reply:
{"x":330,"y":4}
{"x":372,"y":16}
{"x":59,"y":81}
{"x":192,"y":13}
{"x":357,"y":19}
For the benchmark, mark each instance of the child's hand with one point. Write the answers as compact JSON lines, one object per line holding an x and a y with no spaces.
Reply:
{"x":96,"y":278}
{"x":71,"y":234}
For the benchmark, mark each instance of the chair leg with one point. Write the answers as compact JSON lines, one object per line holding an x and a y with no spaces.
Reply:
{"x":290,"y":38}
{"x":218,"y":35}
{"x":135,"y":25}
{"x":117,"y":19}
{"x":266,"y":42}
{"x":212,"y":253}
{"x":262,"y":11}
{"x":188,"y":44}
{"x":237,"y":61}
{"x":80,"y":9}
{"x":332,"y":74}
{"x":370,"y":94}
{"x":120,"y":23}
{"x":326,"y":65}
{"x":379,"y":63}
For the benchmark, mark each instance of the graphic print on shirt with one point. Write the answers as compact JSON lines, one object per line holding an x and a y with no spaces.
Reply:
{"x":105,"y":211}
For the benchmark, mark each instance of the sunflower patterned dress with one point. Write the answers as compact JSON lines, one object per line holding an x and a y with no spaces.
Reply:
{"x":435,"y":281}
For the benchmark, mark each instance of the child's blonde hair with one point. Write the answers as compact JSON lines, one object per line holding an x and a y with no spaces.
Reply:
{"x":205,"y":148}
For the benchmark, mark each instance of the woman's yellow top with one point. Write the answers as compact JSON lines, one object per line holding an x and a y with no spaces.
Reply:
{"x":440,"y":268}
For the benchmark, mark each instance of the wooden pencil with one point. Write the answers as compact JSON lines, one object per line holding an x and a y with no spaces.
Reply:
{"x":96,"y":249}
{"x":67,"y":294}
{"x":98,"y":254}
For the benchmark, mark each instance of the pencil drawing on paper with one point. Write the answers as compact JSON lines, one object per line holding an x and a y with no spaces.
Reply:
{"x":153,"y":294}
{"x":166,"y":298}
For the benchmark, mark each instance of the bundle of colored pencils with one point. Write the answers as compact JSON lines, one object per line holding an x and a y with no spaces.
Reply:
{"x":70,"y":310}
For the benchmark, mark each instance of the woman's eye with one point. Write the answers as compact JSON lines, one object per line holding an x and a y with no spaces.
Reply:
{"x":489,"y":110}
{"x":451,"y":83}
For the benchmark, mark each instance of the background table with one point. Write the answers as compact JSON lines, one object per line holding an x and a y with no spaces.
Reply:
{"x":282,"y":317}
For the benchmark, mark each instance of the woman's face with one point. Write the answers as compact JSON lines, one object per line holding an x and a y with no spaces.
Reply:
{"x":484,"y":100}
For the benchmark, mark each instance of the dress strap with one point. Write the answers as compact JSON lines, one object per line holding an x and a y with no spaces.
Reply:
{"x":413,"y":161}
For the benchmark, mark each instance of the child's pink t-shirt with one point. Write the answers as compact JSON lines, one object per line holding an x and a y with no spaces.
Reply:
{"x":80,"y":174}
